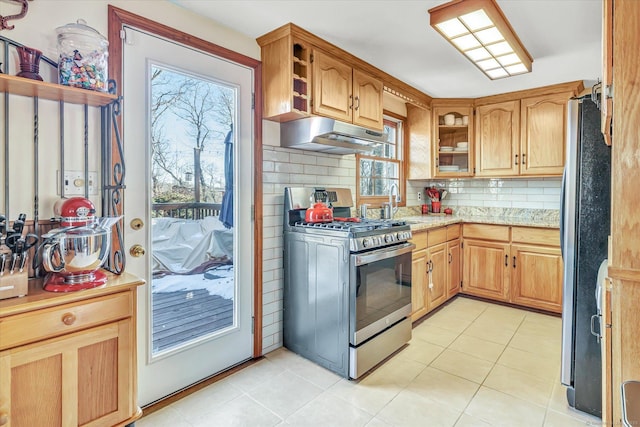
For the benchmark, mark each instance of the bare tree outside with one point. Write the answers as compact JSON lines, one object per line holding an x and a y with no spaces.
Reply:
{"x":190,"y":118}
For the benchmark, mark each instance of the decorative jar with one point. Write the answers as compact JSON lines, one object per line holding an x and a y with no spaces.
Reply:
{"x":83,"y":54}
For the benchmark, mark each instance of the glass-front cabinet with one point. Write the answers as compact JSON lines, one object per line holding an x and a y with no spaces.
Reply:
{"x":453,"y":141}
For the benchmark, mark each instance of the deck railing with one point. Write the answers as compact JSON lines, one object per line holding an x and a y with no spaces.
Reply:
{"x":191,"y":210}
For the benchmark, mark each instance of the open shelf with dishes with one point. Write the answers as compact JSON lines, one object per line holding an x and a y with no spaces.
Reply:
{"x":453,"y":130}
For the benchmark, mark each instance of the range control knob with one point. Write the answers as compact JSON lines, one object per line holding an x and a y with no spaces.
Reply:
{"x":389,"y":238}
{"x":367,"y":242}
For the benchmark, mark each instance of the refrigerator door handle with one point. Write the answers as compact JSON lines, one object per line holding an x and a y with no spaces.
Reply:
{"x":562,"y":207}
{"x":596,"y":318}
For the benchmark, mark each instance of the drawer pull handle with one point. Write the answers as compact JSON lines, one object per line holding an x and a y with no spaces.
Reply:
{"x":69,"y":319}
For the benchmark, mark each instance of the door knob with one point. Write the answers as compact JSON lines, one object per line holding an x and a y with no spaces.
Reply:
{"x":137,"y":251}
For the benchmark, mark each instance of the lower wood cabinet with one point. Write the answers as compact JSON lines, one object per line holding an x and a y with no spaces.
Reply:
{"x":537,"y":277}
{"x":418,"y":280}
{"x":72,"y":366}
{"x":520,"y":265}
{"x":485,"y":271}
{"x":455,"y":267}
{"x":435,"y":268}
{"x":437,"y":275}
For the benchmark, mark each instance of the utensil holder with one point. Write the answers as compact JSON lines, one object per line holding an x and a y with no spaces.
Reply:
{"x":14,"y":285}
{"x":435,"y":207}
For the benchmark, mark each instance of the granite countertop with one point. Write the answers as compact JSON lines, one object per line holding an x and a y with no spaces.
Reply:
{"x":425,"y":222}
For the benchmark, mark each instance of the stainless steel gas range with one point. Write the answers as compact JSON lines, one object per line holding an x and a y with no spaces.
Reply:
{"x":347,"y":284}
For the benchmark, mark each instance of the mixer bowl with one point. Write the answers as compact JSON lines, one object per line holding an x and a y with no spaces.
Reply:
{"x":76,"y":251}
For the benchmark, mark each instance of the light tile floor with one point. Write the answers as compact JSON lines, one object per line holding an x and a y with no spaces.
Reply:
{"x":470,"y":364}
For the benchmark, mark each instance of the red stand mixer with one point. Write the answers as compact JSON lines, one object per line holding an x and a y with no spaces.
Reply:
{"x":74,"y":253}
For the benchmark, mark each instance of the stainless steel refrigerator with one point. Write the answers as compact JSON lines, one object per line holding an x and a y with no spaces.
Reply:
{"x":584,"y":230}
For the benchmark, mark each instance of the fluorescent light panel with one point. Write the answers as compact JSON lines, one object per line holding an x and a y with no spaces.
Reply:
{"x":489,"y":44}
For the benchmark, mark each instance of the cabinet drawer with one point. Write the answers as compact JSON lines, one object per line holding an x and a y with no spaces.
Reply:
{"x":420,"y":240}
{"x":499,"y":233}
{"x":437,"y":236}
{"x":453,"y":232}
{"x":37,"y":325}
{"x":536,"y":236}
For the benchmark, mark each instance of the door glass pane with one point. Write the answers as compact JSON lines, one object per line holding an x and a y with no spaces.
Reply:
{"x":192,"y":145}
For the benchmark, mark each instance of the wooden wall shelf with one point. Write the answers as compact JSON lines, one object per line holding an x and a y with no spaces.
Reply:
{"x":53,"y":91}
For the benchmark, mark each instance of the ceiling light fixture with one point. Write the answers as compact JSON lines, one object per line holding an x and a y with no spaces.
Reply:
{"x":481,"y":32}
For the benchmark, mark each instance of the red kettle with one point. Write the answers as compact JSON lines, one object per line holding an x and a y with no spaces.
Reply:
{"x":319,"y":212}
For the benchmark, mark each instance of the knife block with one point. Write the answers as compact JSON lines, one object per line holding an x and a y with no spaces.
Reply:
{"x":13,"y":285}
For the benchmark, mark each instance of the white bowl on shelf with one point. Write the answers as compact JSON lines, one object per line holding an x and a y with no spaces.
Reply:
{"x":449,"y":168}
{"x":460,"y":150}
{"x":446,"y":149}
{"x":464,"y":145}
{"x":449,"y":119}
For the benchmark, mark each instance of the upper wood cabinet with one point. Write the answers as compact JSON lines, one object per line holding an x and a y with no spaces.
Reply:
{"x":452,"y":129}
{"x":498,"y":139}
{"x":543,"y":134}
{"x":419,"y":145}
{"x":522,"y":137}
{"x":285,"y":79}
{"x":337,"y":84}
{"x":344,"y":93}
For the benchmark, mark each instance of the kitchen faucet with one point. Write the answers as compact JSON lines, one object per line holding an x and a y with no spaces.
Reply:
{"x":397,"y":198}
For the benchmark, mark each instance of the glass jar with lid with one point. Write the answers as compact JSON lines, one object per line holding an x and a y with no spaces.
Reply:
{"x":83,"y":54}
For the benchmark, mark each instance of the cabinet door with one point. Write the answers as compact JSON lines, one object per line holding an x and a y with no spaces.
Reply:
{"x":437,"y":276}
{"x":418,"y":284}
{"x":543,"y":134}
{"x":367,"y":100}
{"x":485,"y":270}
{"x":498,"y":139}
{"x":79,"y":379}
{"x":537,"y":277}
{"x":332,"y":88}
{"x":450,"y":159}
{"x":419,"y":134}
{"x":455,"y":276}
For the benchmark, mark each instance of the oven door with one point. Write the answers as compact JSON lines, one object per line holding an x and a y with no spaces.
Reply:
{"x":379,"y":291}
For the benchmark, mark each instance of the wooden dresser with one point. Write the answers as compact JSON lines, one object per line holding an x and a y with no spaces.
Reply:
{"x":69,"y":359}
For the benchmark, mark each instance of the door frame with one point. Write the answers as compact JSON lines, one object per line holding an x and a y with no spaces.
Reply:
{"x":120,"y":17}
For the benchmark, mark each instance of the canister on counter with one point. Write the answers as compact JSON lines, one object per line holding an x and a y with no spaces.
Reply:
{"x":425,"y":209}
{"x":82,"y":53}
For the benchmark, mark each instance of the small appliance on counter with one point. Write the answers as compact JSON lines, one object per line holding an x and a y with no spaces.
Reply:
{"x":74,"y":253}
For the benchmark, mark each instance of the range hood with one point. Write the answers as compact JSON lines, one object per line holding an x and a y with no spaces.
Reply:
{"x":329,"y":136}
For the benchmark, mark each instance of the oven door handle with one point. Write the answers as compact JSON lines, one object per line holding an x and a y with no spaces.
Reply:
{"x":380,"y":254}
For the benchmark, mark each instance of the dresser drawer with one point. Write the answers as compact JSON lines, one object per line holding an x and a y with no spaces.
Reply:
{"x":41,"y":324}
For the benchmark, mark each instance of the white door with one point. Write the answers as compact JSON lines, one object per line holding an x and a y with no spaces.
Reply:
{"x":195,"y":311}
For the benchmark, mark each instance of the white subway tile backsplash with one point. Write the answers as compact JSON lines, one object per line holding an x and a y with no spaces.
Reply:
{"x":316,"y":170}
{"x":284,"y":167}
{"x":275,"y":155}
{"x":538,"y":193}
{"x":275,"y":177}
{"x":268,"y":166}
{"x":303,"y":159}
{"x":271,"y":285}
{"x":328,"y":161}
{"x":289,"y":168}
